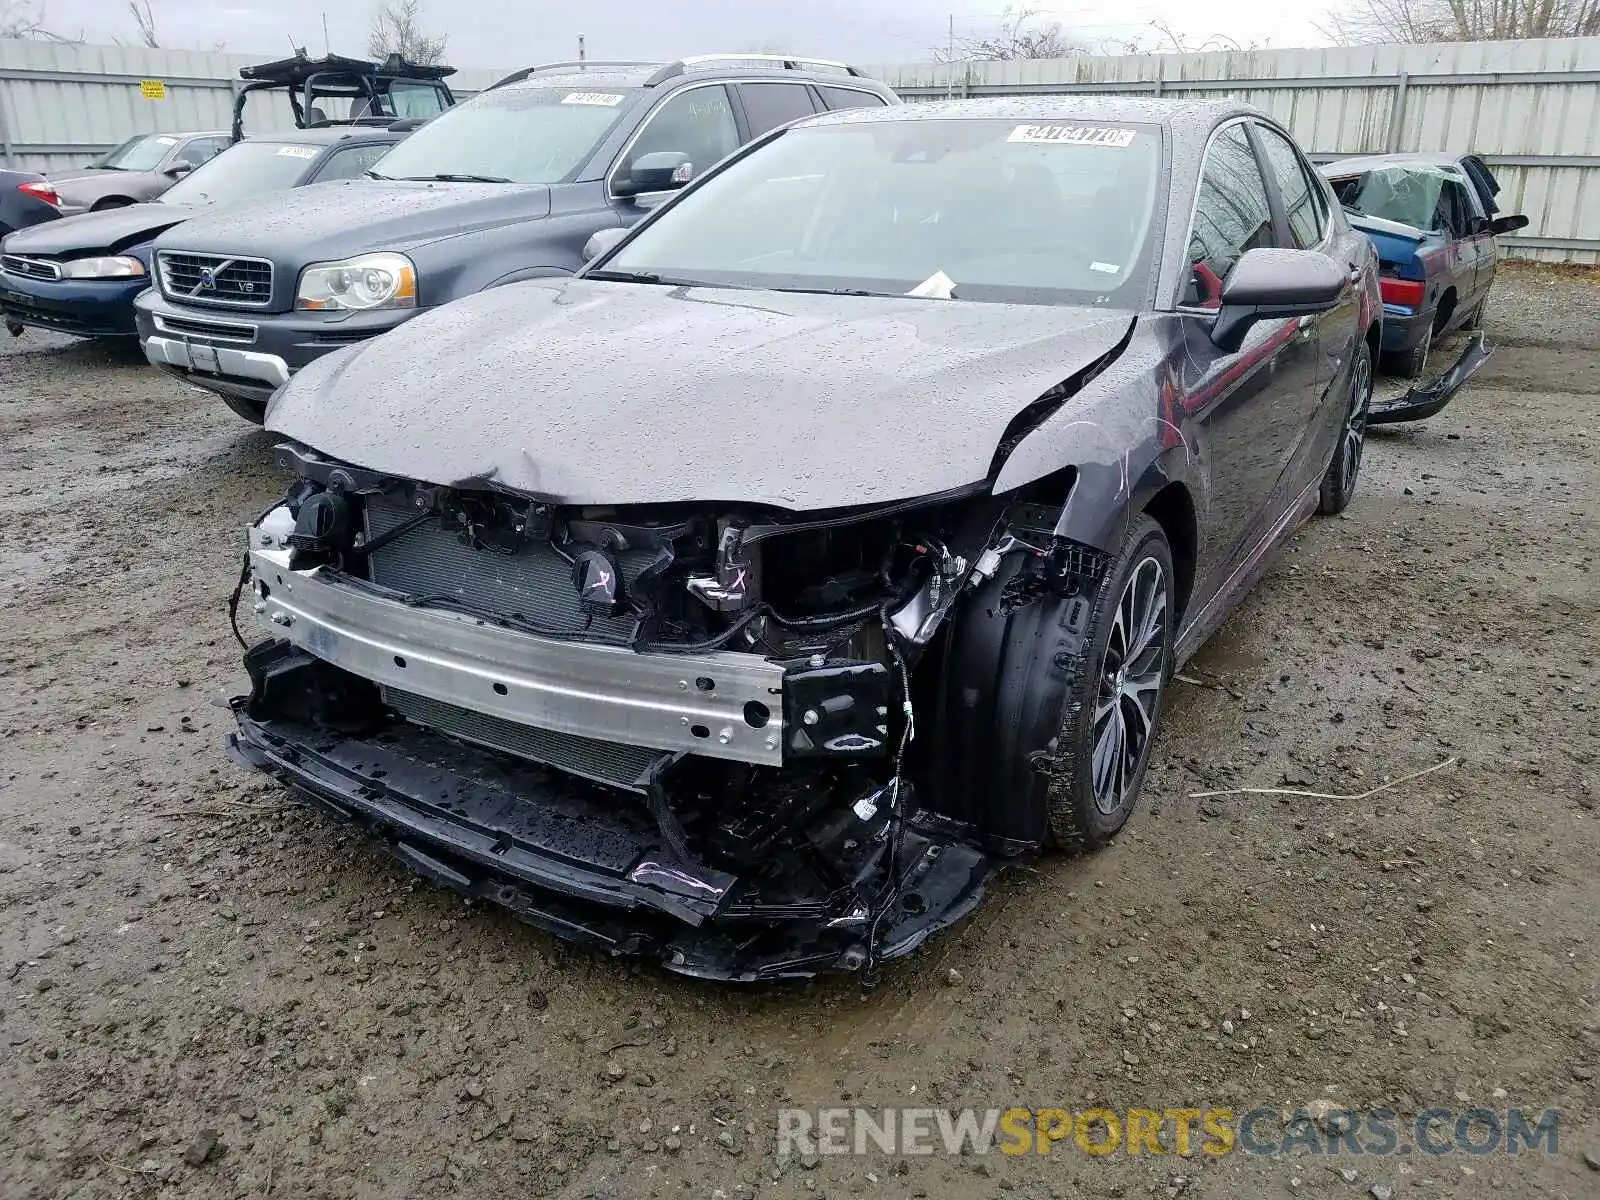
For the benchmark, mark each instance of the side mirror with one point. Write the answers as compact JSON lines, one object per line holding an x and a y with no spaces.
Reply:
{"x":178,"y":169}
{"x":602,"y":242}
{"x":1268,"y":283}
{"x":1508,"y":224}
{"x":658,"y":172}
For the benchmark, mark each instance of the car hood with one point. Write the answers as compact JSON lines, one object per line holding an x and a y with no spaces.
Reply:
{"x":113,"y":230}
{"x":83,"y":173}
{"x":585,"y":392}
{"x":334,"y":220}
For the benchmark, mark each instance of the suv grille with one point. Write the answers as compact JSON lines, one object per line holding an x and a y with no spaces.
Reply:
{"x":33,"y":268}
{"x":216,"y":279}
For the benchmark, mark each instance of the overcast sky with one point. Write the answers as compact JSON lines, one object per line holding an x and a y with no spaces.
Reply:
{"x":512,"y":33}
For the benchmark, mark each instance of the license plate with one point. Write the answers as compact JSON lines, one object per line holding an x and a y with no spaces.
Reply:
{"x":204,"y":358}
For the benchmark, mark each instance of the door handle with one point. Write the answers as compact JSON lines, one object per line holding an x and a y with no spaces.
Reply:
{"x":1304,"y":328}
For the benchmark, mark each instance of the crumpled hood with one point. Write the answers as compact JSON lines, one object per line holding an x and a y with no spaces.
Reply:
{"x":111,"y":231}
{"x":334,"y":220}
{"x":586,"y":392}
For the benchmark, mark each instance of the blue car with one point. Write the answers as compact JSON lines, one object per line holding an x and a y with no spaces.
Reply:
{"x":1432,"y":220}
{"x":79,"y":275}
{"x":26,"y":198}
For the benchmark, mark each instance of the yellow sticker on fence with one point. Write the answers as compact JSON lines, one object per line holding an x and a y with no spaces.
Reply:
{"x":153,"y":89}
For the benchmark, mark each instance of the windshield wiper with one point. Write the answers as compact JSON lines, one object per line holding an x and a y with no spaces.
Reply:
{"x":831,"y":291}
{"x":374,"y":175}
{"x":626,"y":276}
{"x":449,"y":178}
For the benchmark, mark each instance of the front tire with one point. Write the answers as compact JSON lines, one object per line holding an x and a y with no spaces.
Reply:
{"x":1339,"y":484}
{"x":1113,"y":701}
{"x":1029,"y":692}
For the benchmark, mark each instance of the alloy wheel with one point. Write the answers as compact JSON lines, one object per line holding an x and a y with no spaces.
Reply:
{"x":1355,"y":425}
{"x":1131,"y":678}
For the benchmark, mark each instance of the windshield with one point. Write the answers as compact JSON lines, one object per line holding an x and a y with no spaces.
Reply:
{"x":1057,"y":212}
{"x":1408,"y":194}
{"x":143,"y":153}
{"x":514,"y":135}
{"x":242,"y":171}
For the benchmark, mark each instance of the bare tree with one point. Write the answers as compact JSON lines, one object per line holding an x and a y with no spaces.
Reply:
{"x":26,"y":19}
{"x":1169,"y":39}
{"x":139,"y":10}
{"x":397,"y":29}
{"x":1367,"y":21}
{"x":1014,"y":39}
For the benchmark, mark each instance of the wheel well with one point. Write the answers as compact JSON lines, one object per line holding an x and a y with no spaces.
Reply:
{"x":1173,"y":509}
{"x":111,"y":202}
{"x":1375,"y":340}
{"x":1447,"y":306}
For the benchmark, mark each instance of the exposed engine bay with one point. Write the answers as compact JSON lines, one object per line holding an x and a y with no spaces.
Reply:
{"x":688,"y":733}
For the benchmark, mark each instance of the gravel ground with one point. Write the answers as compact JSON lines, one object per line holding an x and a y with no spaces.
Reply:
{"x":206,"y":992}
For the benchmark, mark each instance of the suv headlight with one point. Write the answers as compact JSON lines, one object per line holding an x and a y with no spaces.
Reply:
{"x":119,"y":266}
{"x":358,"y":284}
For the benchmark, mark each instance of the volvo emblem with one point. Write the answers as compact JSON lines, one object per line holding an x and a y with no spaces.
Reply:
{"x":208,"y":280}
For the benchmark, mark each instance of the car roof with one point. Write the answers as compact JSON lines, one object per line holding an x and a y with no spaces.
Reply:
{"x":1195,"y":117}
{"x":1366,"y":162}
{"x":593,"y":75}
{"x":325,"y":136}
{"x":182,"y":133}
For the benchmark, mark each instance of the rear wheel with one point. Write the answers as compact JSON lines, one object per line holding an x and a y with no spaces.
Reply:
{"x":1410,"y":364}
{"x":1339,"y":484}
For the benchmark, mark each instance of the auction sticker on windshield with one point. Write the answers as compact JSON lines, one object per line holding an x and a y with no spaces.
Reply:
{"x":297,"y":151}
{"x":603,"y":99}
{"x":1073,"y":135}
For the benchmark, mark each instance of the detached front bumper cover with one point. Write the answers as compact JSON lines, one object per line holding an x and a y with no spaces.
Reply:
{"x":1428,"y":399}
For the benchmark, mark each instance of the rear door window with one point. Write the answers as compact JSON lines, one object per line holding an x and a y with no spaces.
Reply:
{"x":1231,"y":215}
{"x":768,"y":105}
{"x":843,"y":97}
{"x":1453,"y":215}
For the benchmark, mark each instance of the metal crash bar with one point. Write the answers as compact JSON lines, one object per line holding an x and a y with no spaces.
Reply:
{"x":722,"y":704}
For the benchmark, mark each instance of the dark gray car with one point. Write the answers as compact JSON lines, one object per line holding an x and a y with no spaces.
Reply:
{"x":137,"y":171}
{"x":747,"y":600}
{"x":505,"y":187}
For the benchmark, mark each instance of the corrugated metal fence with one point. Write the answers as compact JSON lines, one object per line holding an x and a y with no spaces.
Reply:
{"x":1531,"y":108}
{"x":61,"y":105}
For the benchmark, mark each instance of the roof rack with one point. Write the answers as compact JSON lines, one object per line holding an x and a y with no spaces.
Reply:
{"x":783,"y":62}
{"x":578,"y":64}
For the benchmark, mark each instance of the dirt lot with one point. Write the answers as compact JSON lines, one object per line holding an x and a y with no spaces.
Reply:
{"x":185,"y":956}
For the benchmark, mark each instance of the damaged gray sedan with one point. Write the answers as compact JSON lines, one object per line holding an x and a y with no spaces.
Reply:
{"x":749,"y":600}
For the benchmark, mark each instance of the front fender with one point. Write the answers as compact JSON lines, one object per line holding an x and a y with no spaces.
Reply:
{"x":1125,"y":437}
{"x":1104,"y":499}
